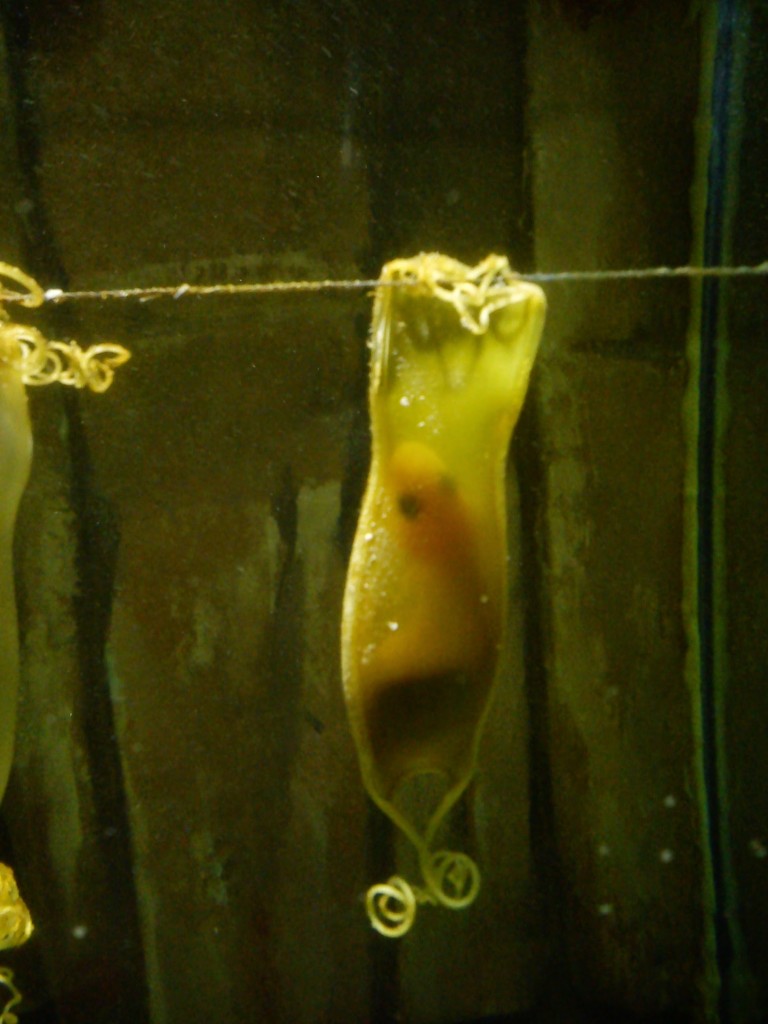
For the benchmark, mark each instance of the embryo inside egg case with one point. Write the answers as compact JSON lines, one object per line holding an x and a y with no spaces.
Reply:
{"x":425,"y":601}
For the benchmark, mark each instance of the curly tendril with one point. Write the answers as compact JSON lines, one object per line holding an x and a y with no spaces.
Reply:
{"x":391,"y":906}
{"x":7,"y":1016}
{"x":34,"y":295}
{"x":46,"y":362}
{"x":488,"y":287}
{"x":451,"y":879}
{"x":67,"y":363}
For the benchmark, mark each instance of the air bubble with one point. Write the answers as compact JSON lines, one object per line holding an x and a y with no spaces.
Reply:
{"x":367,"y":653}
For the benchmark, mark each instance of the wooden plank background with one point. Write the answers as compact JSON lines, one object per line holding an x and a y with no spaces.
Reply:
{"x":186,"y":815}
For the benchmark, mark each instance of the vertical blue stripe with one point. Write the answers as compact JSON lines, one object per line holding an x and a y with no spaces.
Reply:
{"x":717,"y":183}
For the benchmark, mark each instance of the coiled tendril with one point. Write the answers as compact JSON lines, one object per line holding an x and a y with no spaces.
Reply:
{"x":45,"y":362}
{"x":7,"y":1016}
{"x":391,"y":906}
{"x":452,"y":880}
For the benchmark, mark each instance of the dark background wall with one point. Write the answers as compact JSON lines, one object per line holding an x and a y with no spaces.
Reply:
{"x":186,"y":816}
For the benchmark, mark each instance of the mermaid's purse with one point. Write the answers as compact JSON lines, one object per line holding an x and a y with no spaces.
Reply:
{"x":425,"y":600}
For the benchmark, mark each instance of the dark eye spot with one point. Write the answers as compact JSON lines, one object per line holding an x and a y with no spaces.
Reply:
{"x":409,"y":505}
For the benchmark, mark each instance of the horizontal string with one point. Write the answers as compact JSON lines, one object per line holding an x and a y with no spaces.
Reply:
{"x":57,"y":295}
{"x":649,"y":273}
